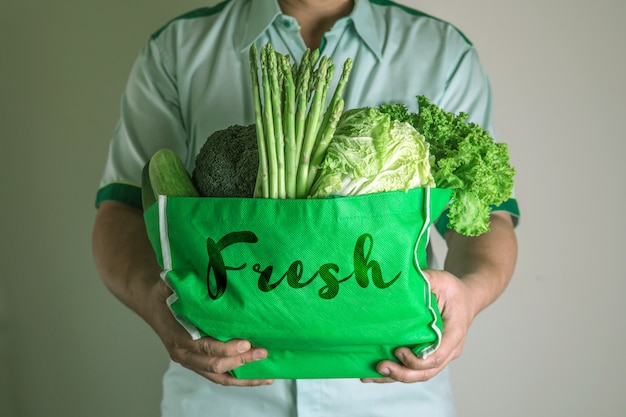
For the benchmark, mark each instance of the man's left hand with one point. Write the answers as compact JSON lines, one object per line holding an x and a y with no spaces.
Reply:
{"x":454,"y":300}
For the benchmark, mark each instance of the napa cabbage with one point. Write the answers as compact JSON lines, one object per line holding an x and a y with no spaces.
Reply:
{"x":371,"y":153}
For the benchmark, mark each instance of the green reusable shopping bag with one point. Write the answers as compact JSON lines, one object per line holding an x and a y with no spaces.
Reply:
{"x":329,"y":287}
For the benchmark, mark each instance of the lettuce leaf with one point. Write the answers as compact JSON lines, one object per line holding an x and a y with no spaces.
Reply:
{"x":467,"y":159}
{"x":371,"y":153}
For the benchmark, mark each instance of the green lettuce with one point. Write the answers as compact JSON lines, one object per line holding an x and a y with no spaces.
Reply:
{"x":371,"y":153}
{"x":467,"y":159}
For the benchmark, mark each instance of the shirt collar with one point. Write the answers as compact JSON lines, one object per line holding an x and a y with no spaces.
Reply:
{"x":262,"y":14}
{"x":367,"y":25}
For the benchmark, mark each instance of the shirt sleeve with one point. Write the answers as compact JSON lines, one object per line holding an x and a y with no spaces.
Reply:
{"x":468,"y":89}
{"x":150,"y":119}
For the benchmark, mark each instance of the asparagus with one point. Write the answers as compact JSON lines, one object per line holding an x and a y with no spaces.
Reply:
{"x":331,"y":117}
{"x":326,"y":134}
{"x":275,"y":76}
{"x":302,"y":92}
{"x":262,"y":187}
{"x":289,"y":120}
{"x":312,"y":124}
{"x":302,"y":68}
{"x":293,"y":126}
{"x":268,"y":126}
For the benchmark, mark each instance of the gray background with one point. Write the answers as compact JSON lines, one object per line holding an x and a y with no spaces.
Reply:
{"x":553,"y":345}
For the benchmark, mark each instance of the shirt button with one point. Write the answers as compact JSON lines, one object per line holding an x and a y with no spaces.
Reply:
{"x":288,"y":24}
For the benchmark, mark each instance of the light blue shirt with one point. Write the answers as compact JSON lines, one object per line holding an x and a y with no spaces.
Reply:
{"x":192,"y":78}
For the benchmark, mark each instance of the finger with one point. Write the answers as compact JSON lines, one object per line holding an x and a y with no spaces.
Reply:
{"x":450,"y":348}
{"x":216,"y":358}
{"x":411,"y":367}
{"x":400,"y":373}
{"x":220,"y":365}
{"x":229,"y":380}
{"x":435,"y":360}
{"x":377,"y":380}
{"x":212,"y":347}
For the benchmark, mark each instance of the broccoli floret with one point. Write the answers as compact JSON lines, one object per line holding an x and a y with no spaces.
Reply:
{"x":227,"y":163}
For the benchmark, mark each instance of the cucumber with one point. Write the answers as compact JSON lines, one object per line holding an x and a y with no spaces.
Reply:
{"x":147,"y":193}
{"x":168,"y":175}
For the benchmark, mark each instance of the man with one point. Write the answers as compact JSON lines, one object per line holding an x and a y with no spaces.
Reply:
{"x":192,"y":78}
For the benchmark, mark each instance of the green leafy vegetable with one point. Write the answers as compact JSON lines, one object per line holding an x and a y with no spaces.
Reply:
{"x":467,"y":159}
{"x":371,"y":153}
{"x":309,"y":149}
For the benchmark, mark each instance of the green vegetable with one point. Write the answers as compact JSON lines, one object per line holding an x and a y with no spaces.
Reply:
{"x":312,"y":126}
{"x":268,"y":127}
{"x":276,"y":95}
{"x":289,"y":129}
{"x":300,"y":147}
{"x":303,"y":92}
{"x":147,"y":193}
{"x":227,"y":163}
{"x":467,"y":159}
{"x":263,"y":169}
{"x":294,"y":123}
{"x":371,"y":153}
{"x":165,"y":174}
{"x":329,"y":124}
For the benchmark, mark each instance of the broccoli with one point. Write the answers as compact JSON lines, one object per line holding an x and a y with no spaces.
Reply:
{"x":228,"y":163}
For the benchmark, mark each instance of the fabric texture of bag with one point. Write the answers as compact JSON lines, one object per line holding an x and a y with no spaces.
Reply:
{"x":329,"y":287}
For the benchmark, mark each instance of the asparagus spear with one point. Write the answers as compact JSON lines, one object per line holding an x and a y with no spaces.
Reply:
{"x":312,"y":124}
{"x":326,"y":135}
{"x":302,"y":68}
{"x":262,"y":189}
{"x":289,"y":121}
{"x":329,"y":123}
{"x":275,"y":76}
{"x":302,"y":102}
{"x":268,"y":125}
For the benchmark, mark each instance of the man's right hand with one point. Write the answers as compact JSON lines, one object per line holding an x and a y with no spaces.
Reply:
{"x":206,"y":356}
{"x":127,"y":264}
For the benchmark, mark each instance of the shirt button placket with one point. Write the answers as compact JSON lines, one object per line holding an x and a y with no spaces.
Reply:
{"x":289,"y":32}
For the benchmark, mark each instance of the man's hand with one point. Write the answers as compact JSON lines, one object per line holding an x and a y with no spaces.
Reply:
{"x":477,"y":270}
{"x":206,"y":356}
{"x":128,"y":267}
{"x":454,"y":303}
